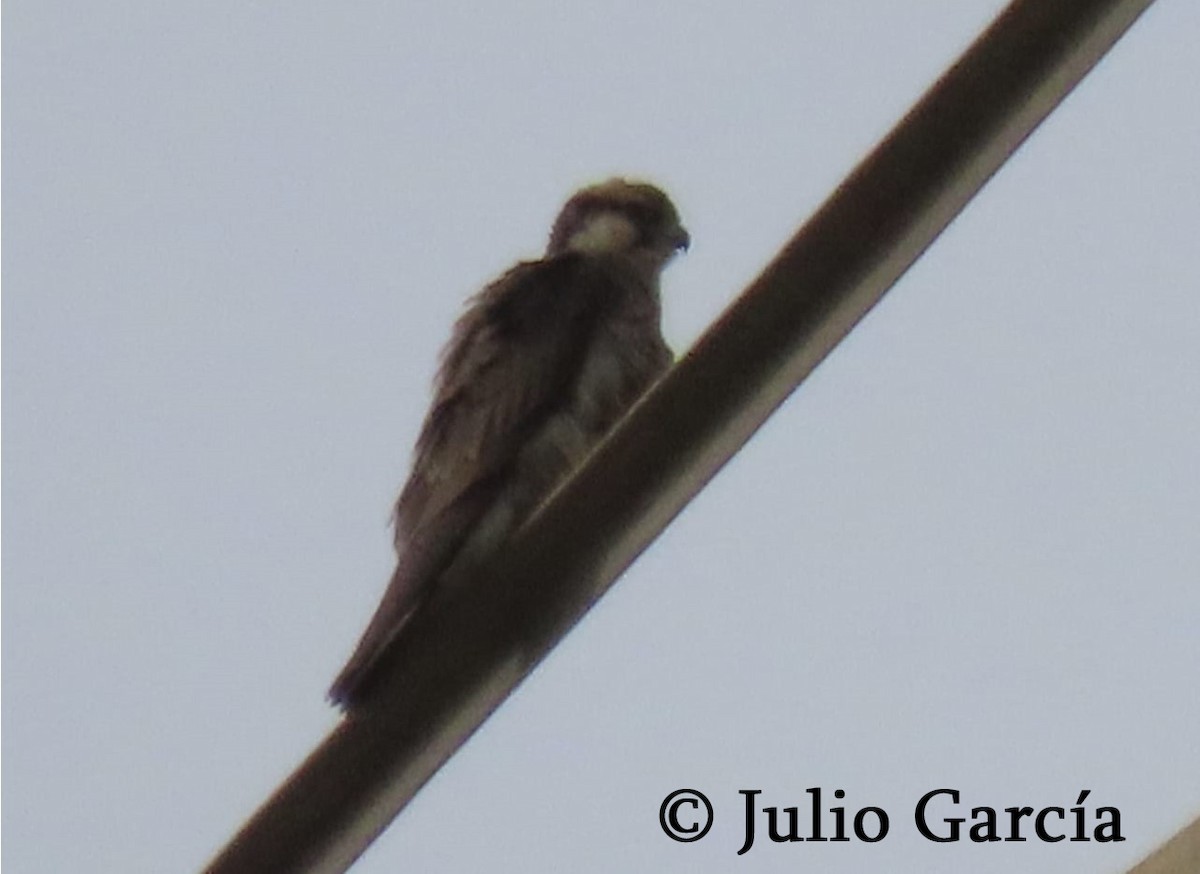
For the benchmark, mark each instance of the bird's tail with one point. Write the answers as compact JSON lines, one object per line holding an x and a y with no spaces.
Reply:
{"x":399,"y":603}
{"x":460,"y":534}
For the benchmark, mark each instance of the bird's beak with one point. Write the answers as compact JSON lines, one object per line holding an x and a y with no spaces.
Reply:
{"x":682,"y":239}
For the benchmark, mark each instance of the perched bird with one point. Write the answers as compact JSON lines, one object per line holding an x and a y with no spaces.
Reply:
{"x":539,"y":367}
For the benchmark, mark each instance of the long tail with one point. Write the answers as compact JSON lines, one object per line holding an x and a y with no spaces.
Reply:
{"x":399,"y":602}
{"x":422,"y":561}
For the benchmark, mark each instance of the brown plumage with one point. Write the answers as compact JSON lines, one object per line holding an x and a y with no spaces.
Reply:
{"x":542,"y":363}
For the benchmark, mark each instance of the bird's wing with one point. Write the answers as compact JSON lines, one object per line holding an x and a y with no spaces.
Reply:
{"x":511,"y":361}
{"x":512,"y":358}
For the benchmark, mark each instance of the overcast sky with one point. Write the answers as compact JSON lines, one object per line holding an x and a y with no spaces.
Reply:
{"x":963,"y":554}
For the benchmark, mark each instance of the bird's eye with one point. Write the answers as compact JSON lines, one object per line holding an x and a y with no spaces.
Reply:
{"x":640,"y":214}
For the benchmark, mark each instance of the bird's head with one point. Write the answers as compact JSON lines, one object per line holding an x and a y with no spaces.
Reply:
{"x":622,"y":218}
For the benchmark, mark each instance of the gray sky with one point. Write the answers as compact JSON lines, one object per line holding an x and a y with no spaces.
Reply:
{"x":964,"y":554}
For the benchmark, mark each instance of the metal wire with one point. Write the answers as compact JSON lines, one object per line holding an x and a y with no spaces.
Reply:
{"x":1179,"y":855}
{"x":464,"y":656}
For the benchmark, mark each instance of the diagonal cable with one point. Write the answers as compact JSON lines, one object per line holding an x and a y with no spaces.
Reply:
{"x":462,"y":657}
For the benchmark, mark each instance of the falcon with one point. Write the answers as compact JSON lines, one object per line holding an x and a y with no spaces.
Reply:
{"x":539,"y":367}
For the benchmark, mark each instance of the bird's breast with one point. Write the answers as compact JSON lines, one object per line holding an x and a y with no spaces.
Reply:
{"x":624,"y":359}
{"x":617,"y":368}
